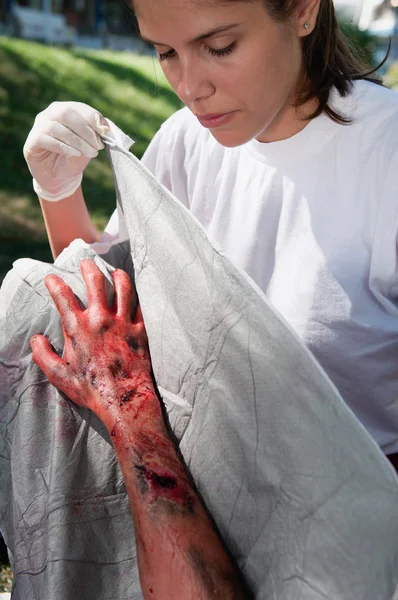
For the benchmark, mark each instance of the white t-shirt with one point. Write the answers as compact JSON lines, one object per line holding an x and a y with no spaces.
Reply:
{"x":313,"y":220}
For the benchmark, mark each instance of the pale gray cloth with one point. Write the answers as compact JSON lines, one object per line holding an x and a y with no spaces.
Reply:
{"x":302,"y":495}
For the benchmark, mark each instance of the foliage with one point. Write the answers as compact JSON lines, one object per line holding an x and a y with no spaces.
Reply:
{"x":129,"y":89}
{"x":5,"y":578}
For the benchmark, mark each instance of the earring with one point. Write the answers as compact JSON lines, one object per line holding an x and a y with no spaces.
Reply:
{"x":307,"y":26}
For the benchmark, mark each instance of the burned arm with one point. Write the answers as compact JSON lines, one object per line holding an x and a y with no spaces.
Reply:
{"x":179,"y":553}
{"x":106,"y":368}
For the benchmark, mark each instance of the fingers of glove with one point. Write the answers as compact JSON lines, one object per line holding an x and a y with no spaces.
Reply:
{"x":94,"y":118}
{"x":80,"y":118}
{"x":65,"y":301}
{"x":47,"y":360}
{"x":57,"y":138}
{"x":37,"y":147}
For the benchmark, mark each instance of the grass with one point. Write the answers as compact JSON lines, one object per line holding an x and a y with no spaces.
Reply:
{"x":129,"y":89}
{"x":5,"y":570}
{"x":5,"y":578}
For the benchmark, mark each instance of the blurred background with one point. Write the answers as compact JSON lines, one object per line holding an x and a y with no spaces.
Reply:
{"x":88,"y":51}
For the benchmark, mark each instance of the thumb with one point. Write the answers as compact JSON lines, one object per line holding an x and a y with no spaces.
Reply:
{"x":52,"y":365}
{"x":101,"y":124}
{"x":92,"y":116}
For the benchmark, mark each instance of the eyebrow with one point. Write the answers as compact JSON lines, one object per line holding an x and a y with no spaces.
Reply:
{"x":199,"y":38}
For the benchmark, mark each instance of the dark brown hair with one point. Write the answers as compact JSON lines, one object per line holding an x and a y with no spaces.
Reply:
{"x":328,"y":59}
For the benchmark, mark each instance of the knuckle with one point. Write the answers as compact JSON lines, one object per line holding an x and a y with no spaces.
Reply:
{"x":93,"y":278}
{"x":62,"y":113}
{"x":57,"y":105}
{"x":57,"y":111}
{"x":27,"y":147}
{"x":98,"y":320}
{"x":59,"y":292}
{"x":140,"y":333}
{"x":48,"y":112}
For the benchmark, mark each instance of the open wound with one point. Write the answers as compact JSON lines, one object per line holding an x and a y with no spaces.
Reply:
{"x":159,"y":484}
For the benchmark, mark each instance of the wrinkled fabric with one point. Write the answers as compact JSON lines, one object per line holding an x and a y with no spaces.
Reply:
{"x":303,"y":497}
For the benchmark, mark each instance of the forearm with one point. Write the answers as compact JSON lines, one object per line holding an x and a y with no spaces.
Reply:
{"x":68,"y":220}
{"x":179,"y":552}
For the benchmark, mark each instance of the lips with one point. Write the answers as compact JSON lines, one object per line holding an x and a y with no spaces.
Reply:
{"x":211,"y":115}
{"x":212,"y":120}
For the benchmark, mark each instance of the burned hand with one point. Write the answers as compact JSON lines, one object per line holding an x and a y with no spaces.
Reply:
{"x":106,"y":364}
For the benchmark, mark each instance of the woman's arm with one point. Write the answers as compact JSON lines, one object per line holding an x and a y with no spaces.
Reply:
{"x":68,"y":220}
{"x":63,"y":140}
{"x":106,"y":367}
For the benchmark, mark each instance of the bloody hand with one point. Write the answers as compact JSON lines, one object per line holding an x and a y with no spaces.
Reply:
{"x":106,"y":364}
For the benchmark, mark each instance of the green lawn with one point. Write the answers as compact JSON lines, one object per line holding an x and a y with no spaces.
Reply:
{"x":131,"y":90}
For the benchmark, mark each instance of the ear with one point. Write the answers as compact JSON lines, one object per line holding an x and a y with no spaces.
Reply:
{"x":306,"y":16}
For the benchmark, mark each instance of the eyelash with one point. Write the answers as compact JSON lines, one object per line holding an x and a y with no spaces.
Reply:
{"x":221,"y":52}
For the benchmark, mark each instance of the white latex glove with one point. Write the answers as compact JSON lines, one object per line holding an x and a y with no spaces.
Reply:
{"x":63,"y":140}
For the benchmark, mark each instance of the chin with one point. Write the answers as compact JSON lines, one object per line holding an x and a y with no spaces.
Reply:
{"x":231,"y":138}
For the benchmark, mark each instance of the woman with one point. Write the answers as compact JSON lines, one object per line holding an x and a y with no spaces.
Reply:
{"x":286,"y":155}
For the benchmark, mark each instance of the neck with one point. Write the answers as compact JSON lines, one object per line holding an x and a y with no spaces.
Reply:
{"x":290,"y":120}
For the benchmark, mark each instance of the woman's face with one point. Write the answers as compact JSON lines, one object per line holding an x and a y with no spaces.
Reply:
{"x":231,"y":60}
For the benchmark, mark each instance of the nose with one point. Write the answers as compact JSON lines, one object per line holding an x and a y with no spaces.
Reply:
{"x":194,"y":81}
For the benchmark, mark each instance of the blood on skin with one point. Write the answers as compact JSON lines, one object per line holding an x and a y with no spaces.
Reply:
{"x":132,"y":343}
{"x":161,"y":484}
{"x":93,"y":378}
{"x":128,"y":395}
{"x":117,"y":370}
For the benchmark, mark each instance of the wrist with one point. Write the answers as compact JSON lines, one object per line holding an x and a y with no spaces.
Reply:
{"x":58,"y":192}
{"x":128,"y":411}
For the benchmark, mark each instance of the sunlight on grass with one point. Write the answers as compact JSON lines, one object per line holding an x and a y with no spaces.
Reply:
{"x":131,"y":90}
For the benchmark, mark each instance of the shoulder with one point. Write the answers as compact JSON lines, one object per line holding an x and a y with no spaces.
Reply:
{"x":372,"y":108}
{"x":366,"y":102}
{"x":374,"y":101}
{"x":372,"y":136}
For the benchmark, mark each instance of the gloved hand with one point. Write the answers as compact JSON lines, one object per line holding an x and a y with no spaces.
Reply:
{"x":63,"y":140}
